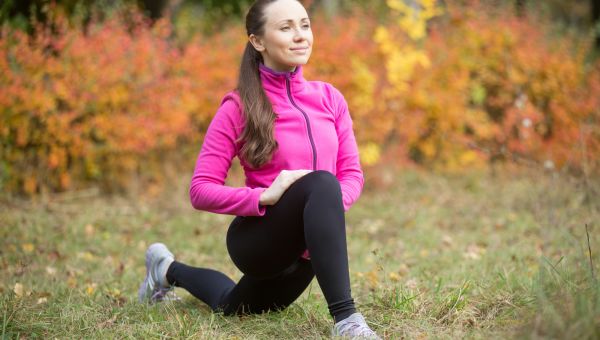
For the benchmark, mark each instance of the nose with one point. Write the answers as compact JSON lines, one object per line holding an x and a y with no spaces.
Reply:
{"x":299,"y":35}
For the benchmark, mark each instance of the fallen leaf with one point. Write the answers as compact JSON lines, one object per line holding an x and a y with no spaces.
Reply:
{"x":28,"y":247}
{"x":72,"y":281}
{"x":86,"y":256}
{"x":120,"y":268}
{"x":89,"y":230}
{"x":447,"y":240}
{"x":50,"y":270}
{"x":412,"y":283}
{"x":403,"y":270}
{"x":91,"y":288}
{"x":18,"y":289}
{"x":473,"y":252}
{"x":54,"y":255}
{"x":373,"y":278}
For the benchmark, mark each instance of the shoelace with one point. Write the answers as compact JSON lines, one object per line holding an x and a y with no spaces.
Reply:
{"x":165,"y":294}
{"x":350,"y":327}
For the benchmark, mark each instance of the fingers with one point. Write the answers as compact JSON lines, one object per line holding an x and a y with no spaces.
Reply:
{"x":282,"y":182}
{"x":297,"y":174}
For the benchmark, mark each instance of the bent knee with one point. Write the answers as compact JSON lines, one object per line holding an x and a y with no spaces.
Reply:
{"x":323,"y":178}
{"x":322,"y":182}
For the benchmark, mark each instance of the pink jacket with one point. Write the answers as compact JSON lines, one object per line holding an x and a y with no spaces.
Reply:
{"x":313,"y":129}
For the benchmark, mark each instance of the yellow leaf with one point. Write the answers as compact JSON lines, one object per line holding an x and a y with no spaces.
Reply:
{"x":18,"y":289}
{"x":72,"y":282}
{"x":91,"y":288}
{"x":373,"y":278}
{"x":86,"y":256}
{"x":28,"y":247}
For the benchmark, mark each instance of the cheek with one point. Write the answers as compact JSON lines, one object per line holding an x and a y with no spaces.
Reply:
{"x":280,"y":40}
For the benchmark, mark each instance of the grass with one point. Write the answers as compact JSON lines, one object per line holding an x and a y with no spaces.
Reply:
{"x":431,"y":256}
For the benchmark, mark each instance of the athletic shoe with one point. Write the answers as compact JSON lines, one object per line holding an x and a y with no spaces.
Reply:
{"x":354,"y":327}
{"x":155,"y":287}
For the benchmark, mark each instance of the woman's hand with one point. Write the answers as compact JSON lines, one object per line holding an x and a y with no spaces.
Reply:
{"x":280,"y":185}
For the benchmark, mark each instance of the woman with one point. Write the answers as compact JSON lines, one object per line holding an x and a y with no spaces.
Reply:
{"x":295,"y":142}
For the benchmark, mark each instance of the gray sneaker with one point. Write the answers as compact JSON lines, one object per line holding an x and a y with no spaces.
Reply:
{"x":354,"y":327}
{"x":155,"y":287}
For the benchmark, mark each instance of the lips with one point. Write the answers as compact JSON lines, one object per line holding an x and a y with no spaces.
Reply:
{"x":299,"y":48}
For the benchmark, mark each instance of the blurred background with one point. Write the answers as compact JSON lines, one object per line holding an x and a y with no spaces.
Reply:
{"x":117,"y":94}
{"x":479,"y":135}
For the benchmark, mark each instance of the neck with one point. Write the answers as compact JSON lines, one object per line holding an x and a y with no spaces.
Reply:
{"x":282,"y":69}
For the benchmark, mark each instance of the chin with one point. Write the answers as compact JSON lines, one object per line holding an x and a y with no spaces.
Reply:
{"x":299,"y":61}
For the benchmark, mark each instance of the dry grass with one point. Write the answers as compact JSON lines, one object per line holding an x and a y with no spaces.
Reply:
{"x":432,"y":256}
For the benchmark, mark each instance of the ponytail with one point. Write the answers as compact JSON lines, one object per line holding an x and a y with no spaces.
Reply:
{"x":258,"y":112}
{"x":260,"y":143}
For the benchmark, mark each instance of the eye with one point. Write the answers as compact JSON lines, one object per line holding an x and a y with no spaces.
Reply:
{"x":306,"y":26}
{"x":285,"y":28}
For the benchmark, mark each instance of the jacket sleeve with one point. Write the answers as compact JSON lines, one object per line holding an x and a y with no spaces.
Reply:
{"x":207,"y":189}
{"x":348,"y":169}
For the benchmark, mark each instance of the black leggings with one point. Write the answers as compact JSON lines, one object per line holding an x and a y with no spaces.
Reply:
{"x":268,"y":250}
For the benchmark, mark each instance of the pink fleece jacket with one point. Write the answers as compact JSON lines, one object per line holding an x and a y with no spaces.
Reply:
{"x":313,"y":129}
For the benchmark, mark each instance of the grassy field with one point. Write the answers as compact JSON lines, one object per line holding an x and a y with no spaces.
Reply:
{"x":431,"y":256}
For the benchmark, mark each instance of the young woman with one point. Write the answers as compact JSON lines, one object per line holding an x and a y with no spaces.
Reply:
{"x":295,"y":141}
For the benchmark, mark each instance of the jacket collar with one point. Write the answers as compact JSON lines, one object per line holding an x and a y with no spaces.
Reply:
{"x":275,"y":81}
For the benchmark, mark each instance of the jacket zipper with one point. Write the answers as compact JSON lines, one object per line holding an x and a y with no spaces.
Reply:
{"x":312,"y":142}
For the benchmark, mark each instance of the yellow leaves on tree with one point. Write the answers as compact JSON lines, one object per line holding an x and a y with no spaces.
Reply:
{"x":480,"y":87}
{"x":109,"y":105}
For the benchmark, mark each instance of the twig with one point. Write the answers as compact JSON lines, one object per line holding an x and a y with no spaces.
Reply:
{"x":554,"y":268}
{"x":590,"y":252}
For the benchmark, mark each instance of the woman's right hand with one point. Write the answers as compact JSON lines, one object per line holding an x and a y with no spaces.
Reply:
{"x":281,"y":183}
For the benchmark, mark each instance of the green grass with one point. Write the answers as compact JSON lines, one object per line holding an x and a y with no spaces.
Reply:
{"x":431,"y":256}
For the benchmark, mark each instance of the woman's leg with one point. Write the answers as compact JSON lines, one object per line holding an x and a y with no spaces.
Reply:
{"x":268,"y":249}
{"x":308,"y":215}
{"x":250,"y":295}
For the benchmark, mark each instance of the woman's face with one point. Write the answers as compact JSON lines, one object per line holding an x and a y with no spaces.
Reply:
{"x":287,"y":39}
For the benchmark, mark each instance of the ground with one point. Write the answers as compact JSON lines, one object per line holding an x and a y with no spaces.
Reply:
{"x":473,"y":255}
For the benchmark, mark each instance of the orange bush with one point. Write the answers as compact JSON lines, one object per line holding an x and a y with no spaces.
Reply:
{"x":79,"y":107}
{"x":114,"y":101}
{"x":498,"y":87}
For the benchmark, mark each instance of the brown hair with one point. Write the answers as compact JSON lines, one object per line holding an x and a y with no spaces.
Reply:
{"x":258,"y":112}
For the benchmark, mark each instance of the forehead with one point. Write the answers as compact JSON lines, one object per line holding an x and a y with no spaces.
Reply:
{"x":284,"y":10}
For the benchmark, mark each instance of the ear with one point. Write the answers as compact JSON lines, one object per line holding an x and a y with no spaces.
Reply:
{"x":256,"y":42}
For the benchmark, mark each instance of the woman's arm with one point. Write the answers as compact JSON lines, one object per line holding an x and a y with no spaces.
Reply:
{"x":348,"y":172}
{"x":207,"y":189}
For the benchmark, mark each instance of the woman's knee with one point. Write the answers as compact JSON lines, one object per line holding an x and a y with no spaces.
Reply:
{"x":322,"y":180}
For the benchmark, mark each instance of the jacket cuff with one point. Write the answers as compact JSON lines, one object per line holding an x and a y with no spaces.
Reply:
{"x":259,"y":210}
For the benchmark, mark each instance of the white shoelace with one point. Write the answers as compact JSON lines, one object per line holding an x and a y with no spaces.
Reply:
{"x":165,"y":294}
{"x":355,"y":326}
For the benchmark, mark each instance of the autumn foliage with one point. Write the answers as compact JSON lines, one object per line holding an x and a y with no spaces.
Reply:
{"x":120,"y":98}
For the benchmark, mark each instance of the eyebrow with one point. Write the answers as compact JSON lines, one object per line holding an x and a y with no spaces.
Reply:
{"x":291,"y":20}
